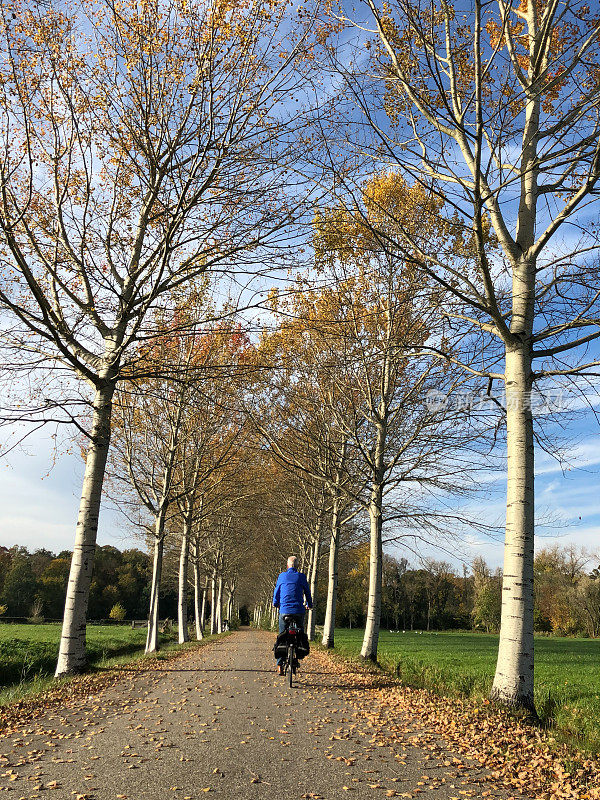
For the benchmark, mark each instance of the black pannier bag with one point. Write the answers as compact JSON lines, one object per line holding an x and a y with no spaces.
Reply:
{"x":303,"y":647}
{"x":281,"y":645}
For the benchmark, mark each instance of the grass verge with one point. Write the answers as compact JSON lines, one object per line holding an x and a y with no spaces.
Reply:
{"x":28,"y":655}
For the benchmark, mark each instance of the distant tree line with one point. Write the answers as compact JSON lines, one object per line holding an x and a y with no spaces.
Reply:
{"x":432,"y":596}
{"x":34,"y":584}
{"x":435,"y":596}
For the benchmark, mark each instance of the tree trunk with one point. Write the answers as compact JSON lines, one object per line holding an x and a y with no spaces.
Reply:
{"x":513,"y":682}
{"x":230,"y":606}
{"x":182,"y":623}
{"x":220,"y":606}
{"x":198,"y":607}
{"x":329,"y":625}
{"x":312,"y":614}
{"x":152,"y":635}
{"x":72,"y":655}
{"x":213,"y":605}
{"x":371,"y":636}
{"x":308,"y":570}
{"x":203,"y":611}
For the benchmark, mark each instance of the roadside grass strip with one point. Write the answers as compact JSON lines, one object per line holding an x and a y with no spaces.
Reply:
{"x":28,"y":658}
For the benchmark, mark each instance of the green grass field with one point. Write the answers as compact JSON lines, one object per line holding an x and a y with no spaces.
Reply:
{"x":567,"y":673}
{"x":28,"y":653}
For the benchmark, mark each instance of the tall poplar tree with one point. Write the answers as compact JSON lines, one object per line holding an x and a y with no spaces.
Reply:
{"x":493,"y":106}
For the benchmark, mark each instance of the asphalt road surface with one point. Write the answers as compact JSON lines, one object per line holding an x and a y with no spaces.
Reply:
{"x":219,"y":721}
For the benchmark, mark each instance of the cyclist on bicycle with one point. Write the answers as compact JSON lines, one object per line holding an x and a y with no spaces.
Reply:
{"x":290,"y":591}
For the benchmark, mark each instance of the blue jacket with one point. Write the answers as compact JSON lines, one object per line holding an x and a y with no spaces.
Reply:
{"x":290,"y":590}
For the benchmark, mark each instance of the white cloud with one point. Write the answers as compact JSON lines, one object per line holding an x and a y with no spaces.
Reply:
{"x":550,"y":488}
{"x":587,"y":537}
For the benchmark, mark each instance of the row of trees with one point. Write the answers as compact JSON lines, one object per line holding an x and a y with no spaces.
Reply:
{"x":492,"y":110}
{"x":437,"y":597}
{"x":179,"y":459}
{"x":432,"y":597}
{"x":144,"y":146}
{"x":453,"y":159}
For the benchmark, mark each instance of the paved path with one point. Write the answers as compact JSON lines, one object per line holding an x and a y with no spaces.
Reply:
{"x":219,"y":720}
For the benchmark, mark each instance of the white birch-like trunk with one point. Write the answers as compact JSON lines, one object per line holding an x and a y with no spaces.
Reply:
{"x":332,"y":581}
{"x":371,"y":636}
{"x":310,"y":562}
{"x":159,"y":536}
{"x":203,"y":610}
{"x":314,"y":571}
{"x":513,"y":681}
{"x":213,"y":605}
{"x":72,"y":655}
{"x":220,"y":605}
{"x":197,"y":606}
{"x":152,"y":634}
{"x":230,"y":604}
{"x":182,"y":624}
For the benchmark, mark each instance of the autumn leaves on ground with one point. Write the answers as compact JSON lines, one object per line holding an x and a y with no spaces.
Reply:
{"x":216,"y":718}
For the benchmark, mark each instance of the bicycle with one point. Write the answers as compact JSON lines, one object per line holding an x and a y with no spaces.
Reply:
{"x":290,"y":664}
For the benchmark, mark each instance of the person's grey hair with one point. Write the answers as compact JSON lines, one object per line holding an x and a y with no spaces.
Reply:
{"x":292,"y":562}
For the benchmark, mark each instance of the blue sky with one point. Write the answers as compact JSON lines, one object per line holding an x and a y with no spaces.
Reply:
{"x":567,"y":499}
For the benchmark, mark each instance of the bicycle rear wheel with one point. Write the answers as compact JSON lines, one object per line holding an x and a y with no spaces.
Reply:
{"x":291,"y":656}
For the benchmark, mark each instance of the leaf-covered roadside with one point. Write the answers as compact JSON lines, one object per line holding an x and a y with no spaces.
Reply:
{"x":499,"y":747}
{"x":65,"y":692}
